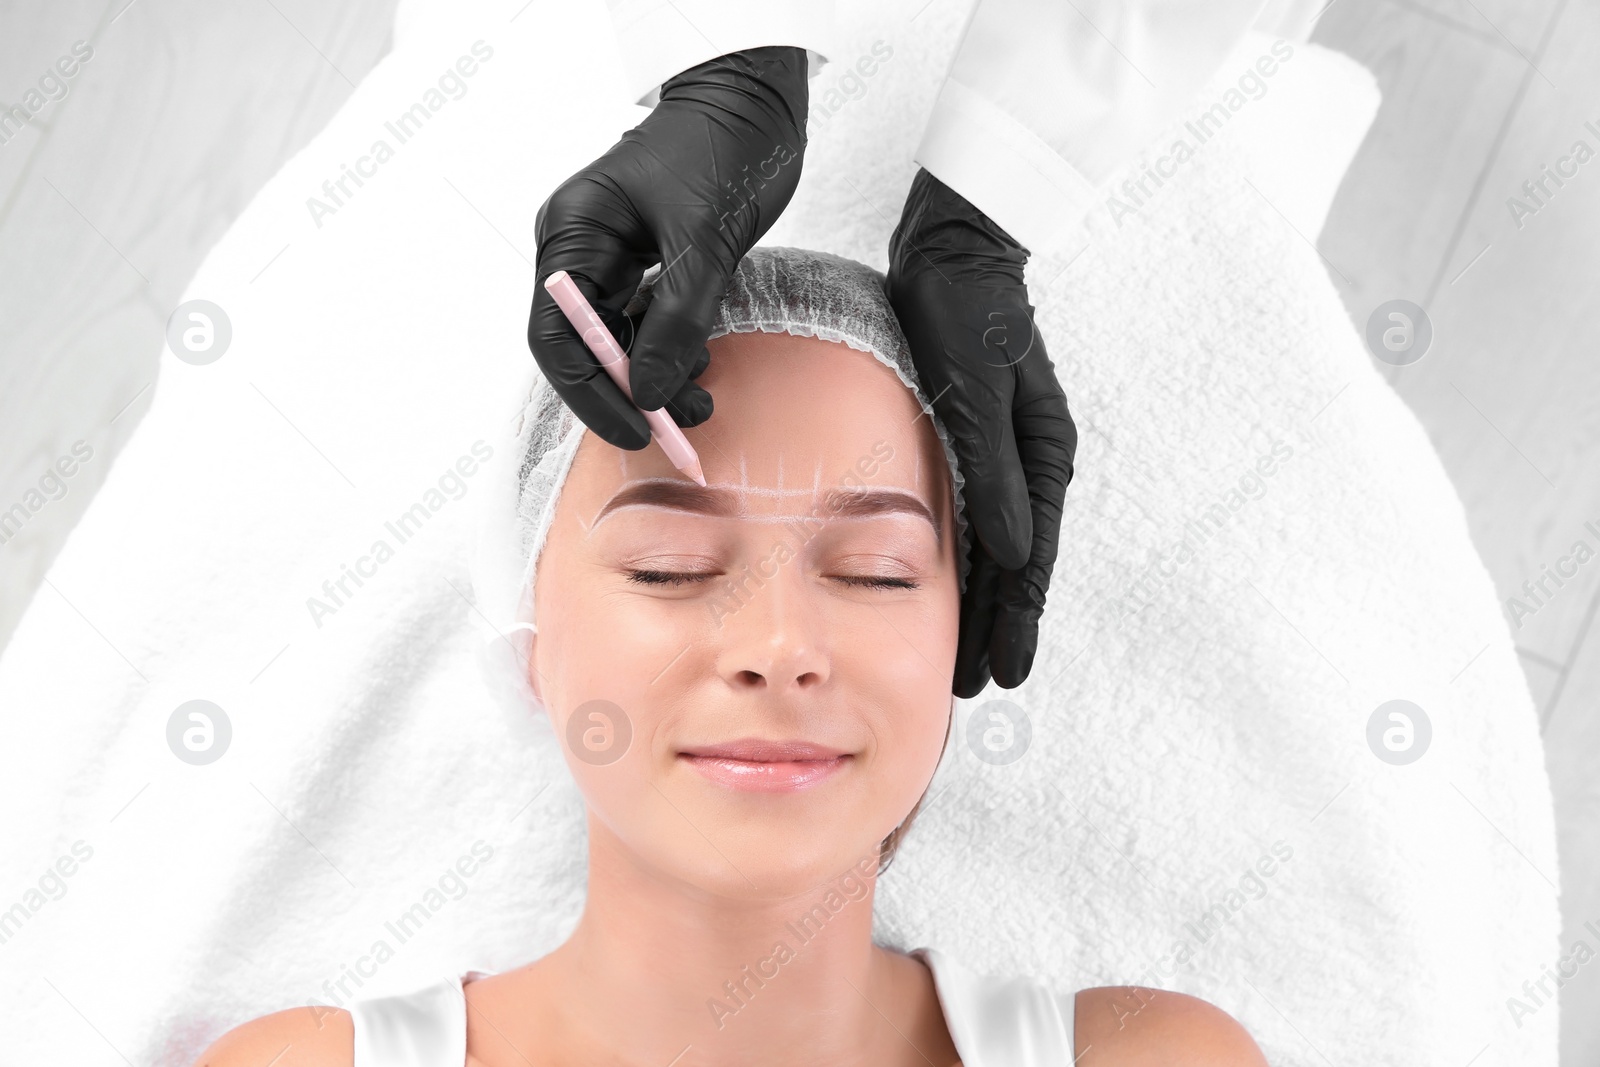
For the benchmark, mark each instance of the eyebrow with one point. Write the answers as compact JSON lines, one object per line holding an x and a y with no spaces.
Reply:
{"x":679,"y":495}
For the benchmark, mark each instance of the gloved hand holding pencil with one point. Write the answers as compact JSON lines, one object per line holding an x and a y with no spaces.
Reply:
{"x":693,"y":187}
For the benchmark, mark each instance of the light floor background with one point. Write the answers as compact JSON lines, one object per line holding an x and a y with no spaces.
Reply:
{"x":1479,"y":97}
{"x":113,"y":195}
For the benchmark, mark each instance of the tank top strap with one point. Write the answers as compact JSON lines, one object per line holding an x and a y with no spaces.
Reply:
{"x":423,"y":1028}
{"x":1002,"y":1021}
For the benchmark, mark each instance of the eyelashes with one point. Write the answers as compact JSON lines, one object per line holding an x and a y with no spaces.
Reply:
{"x":667,"y":577}
{"x":682,"y":578}
{"x":877,"y":582}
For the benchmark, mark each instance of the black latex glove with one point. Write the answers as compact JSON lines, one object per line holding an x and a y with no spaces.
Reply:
{"x":692,"y":187}
{"x":956,"y":283}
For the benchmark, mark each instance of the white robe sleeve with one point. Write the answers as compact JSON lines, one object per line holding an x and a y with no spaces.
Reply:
{"x":662,"y":38}
{"x":1046,"y":98}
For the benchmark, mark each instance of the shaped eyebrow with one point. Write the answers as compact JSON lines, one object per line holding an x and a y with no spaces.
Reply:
{"x":679,"y":495}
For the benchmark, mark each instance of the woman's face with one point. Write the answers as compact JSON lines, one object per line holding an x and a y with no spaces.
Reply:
{"x":808,"y":595}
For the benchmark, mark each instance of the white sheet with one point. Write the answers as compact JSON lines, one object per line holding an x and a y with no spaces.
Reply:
{"x":1173,"y":747}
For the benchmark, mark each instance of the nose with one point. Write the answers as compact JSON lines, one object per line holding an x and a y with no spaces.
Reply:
{"x":774,"y":634}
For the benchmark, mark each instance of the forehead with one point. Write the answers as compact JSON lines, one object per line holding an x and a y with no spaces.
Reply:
{"x":795,"y":417}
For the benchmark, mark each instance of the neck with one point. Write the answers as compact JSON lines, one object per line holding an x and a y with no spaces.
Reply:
{"x":658,"y":971}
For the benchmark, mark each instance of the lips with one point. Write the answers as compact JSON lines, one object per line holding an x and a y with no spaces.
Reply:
{"x":754,"y":765}
{"x":755,"y":750}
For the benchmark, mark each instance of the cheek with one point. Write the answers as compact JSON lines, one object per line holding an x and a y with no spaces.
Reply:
{"x":604,"y":650}
{"x":906,"y":648}
{"x":597,"y":646}
{"x":902,"y":660}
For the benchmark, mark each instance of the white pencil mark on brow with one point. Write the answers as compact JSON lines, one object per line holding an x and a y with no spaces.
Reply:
{"x":725,"y":501}
{"x":765,"y":492}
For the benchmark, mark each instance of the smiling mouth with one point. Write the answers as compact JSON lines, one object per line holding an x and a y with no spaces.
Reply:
{"x":760,"y":766}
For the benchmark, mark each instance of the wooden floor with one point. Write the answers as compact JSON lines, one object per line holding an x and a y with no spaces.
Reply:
{"x":1479,"y":97}
{"x":112,"y":194}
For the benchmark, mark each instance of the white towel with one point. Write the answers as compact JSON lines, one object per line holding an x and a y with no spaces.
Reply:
{"x":373,"y":824}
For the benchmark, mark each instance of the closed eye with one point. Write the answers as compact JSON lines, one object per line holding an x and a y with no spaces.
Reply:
{"x":871,"y":581}
{"x":668,"y":577}
{"x":675,"y":578}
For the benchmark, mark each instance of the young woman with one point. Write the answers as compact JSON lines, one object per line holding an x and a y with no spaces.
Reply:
{"x":751,"y":682}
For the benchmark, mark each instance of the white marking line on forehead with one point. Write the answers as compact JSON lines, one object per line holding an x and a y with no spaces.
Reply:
{"x":760,"y":491}
{"x":678,"y":494}
{"x":743,"y":494}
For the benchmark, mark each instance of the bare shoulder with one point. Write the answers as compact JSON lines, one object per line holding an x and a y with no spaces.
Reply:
{"x":298,"y":1037}
{"x":1130,"y":1026}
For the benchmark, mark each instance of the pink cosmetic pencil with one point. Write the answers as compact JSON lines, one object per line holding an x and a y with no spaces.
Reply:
{"x":605,"y":348}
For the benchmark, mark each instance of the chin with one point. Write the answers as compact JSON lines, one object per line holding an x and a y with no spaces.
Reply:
{"x":766,"y":861}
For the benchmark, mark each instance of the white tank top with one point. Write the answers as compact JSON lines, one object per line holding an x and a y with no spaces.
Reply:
{"x":994,"y":1022}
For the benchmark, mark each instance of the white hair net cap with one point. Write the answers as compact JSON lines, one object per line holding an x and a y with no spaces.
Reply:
{"x":774,"y":290}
